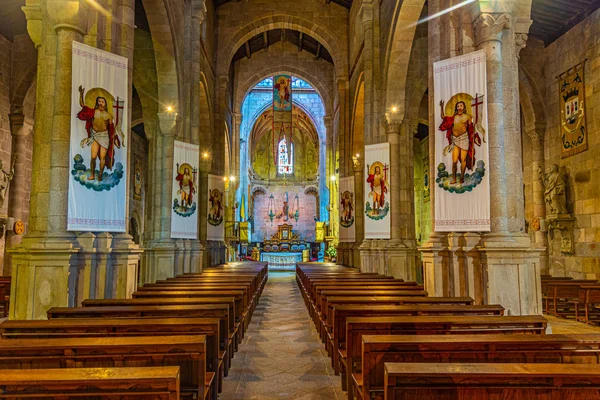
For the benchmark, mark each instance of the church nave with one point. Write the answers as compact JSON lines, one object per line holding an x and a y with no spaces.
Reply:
{"x":281,"y":356}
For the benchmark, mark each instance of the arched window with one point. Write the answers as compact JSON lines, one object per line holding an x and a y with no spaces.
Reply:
{"x":285,"y":164}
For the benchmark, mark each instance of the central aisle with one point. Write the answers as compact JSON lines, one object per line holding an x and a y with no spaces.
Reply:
{"x":282,"y":356}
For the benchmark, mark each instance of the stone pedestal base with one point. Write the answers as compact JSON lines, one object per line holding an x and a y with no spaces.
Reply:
{"x":511,"y":274}
{"x":63,"y":270}
{"x":108,"y":267}
{"x":492,"y":269}
{"x":436,"y":265}
{"x":40,"y":275}
{"x":214,"y":253}
{"x":159,"y":261}
{"x":389,"y":257}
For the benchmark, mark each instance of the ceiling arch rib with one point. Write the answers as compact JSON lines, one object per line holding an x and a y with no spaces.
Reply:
{"x":262,"y":41}
{"x":344,"y":3}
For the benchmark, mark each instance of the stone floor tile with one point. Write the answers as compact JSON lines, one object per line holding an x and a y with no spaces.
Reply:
{"x":281,"y":356}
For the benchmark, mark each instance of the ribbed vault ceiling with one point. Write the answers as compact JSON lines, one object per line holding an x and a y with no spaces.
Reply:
{"x":301,"y":40}
{"x":345,"y":3}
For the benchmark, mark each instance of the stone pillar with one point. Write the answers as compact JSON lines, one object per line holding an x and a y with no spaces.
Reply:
{"x":359,"y":216}
{"x":538,"y":225}
{"x":19,"y":190}
{"x":331,"y":183}
{"x":159,"y":257}
{"x":41,"y":264}
{"x":510,"y":268}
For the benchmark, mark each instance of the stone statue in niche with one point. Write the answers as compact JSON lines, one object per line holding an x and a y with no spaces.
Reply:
{"x":555,"y":190}
{"x":5,"y":178}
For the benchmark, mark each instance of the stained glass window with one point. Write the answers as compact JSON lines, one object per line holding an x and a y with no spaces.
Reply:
{"x":285,"y":165}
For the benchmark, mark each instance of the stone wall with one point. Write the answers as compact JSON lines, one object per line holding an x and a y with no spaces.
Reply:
{"x":5,"y":136}
{"x":583,"y":169}
{"x":304,"y":227}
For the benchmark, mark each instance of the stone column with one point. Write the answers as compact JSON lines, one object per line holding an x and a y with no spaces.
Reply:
{"x":400,"y":259}
{"x":18,"y":200}
{"x":510,"y":268}
{"x":41,"y":264}
{"x":159,"y":257}
{"x":536,"y":134}
{"x":359,"y":217}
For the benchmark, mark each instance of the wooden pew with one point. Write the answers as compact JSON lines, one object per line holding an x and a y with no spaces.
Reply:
{"x":337,"y":338}
{"x":388,"y":300}
{"x":5,"y":282}
{"x":149,"y":383}
{"x":589,"y":298}
{"x":234,"y":338}
{"x":186,"y":352}
{"x":564,"y":295}
{"x":357,"y":327}
{"x":100,"y":327}
{"x":220,"y":311}
{"x":491,"y":381}
{"x":237,"y":295}
{"x":380,"y":349}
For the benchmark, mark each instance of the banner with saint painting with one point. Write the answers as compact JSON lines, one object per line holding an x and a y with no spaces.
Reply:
{"x":378,"y":197}
{"x":347,"y":211}
{"x":462,"y":189}
{"x":215,"y":227}
{"x":184,"y":200}
{"x":573,"y":129}
{"x":282,"y":115}
{"x":98,"y":155}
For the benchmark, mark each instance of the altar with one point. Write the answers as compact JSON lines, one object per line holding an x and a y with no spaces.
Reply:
{"x":281,"y":261}
{"x":284,"y":249}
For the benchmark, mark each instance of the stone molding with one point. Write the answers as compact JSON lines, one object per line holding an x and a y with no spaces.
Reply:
{"x":489,"y":27}
{"x":18,"y":126}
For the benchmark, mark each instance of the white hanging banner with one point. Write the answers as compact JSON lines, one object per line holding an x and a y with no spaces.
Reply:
{"x":347,"y":204}
{"x":98,"y":156}
{"x":378,"y":197}
{"x":184,"y":213}
{"x":462,"y":188}
{"x":215,"y":228}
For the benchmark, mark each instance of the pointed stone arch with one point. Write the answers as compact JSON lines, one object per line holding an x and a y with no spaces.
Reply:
{"x":334,"y":45}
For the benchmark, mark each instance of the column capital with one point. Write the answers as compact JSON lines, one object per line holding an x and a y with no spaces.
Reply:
{"x":489,"y":26}
{"x":536,"y":133}
{"x":199,"y":10}
{"x":366,"y":13}
{"x":33,"y":13}
{"x":18,"y":125}
{"x":342,"y":83}
{"x":393,"y":126}
{"x":68,"y":14}
{"x":328,"y":121}
{"x":167,"y":123}
{"x":357,"y":164}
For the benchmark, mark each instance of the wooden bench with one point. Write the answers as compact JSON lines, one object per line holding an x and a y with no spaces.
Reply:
{"x":405,"y":381}
{"x":149,"y":383}
{"x":186,"y":352}
{"x":357,"y":327}
{"x":380,"y":349}
{"x":5,"y":282}
{"x":220,"y":311}
{"x":589,"y":298}
{"x":388,"y":300}
{"x":100,"y":327}
{"x":564,"y":296}
{"x":234,"y":337}
{"x":340,"y":313}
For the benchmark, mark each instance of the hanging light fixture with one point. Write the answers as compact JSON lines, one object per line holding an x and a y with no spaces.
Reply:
{"x":271,"y":208}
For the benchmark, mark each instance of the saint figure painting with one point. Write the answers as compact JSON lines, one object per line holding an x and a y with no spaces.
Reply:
{"x":185,"y":205}
{"x":377,"y":208}
{"x":464,"y":133}
{"x":102,"y":135}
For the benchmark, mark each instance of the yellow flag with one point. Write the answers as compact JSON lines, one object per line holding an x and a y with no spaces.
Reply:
{"x":242,"y":210}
